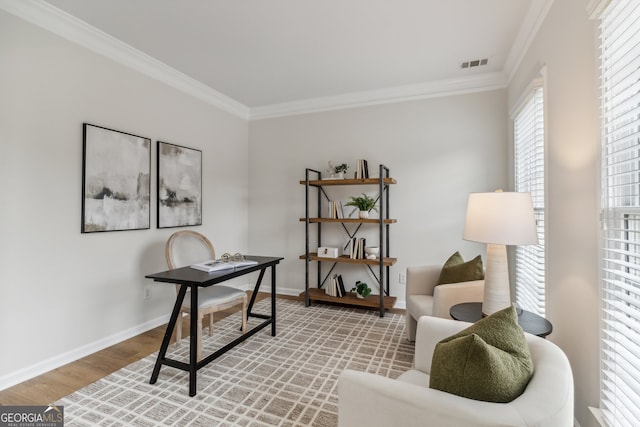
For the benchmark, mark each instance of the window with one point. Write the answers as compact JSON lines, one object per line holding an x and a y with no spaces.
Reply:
{"x":620,"y":213}
{"x":528,"y":139}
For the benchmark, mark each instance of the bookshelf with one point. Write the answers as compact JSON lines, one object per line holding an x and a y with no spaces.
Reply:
{"x":317,"y":192}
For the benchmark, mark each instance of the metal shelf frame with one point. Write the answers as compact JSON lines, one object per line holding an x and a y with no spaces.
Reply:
{"x":383,"y":221}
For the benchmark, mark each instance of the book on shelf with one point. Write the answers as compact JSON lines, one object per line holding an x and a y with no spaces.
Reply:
{"x":341,"y":287}
{"x":212,"y":265}
{"x":335,"y":287}
{"x":357,"y":245}
{"x":335,"y":209}
{"x":331,"y":287}
{"x":362,"y":169}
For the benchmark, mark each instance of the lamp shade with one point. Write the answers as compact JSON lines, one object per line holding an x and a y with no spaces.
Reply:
{"x":501,"y":218}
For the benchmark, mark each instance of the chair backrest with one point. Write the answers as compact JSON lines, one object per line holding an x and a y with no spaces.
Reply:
{"x":187,"y":247}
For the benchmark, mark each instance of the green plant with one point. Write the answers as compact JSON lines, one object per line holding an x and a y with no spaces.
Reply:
{"x":363,"y":203}
{"x":341,"y":168}
{"x":362,"y":288}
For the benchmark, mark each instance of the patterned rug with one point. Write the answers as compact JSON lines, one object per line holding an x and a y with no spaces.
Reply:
{"x":286,"y":380}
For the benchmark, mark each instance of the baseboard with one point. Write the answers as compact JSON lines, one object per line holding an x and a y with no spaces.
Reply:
{"x":52,"y":363}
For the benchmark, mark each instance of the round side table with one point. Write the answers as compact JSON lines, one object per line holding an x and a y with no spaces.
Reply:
{"x":528,"y":321}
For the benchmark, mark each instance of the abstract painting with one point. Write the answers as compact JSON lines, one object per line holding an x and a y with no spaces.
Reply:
{"x":115,"y":180}
{"x":179,"y":186}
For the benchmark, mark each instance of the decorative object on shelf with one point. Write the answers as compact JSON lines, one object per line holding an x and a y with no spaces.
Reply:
{"x":179,"y":186}
{"x":362,"y":289}
{"x":499,"y":219}
{"x":364,"y":204}
{"x":372,"y":252}
{"x":116,"y":167}
{"x":337,"y":171}
{"x":328,"y":252}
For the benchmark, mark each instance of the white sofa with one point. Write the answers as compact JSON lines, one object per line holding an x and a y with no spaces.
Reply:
{"x":371,"y":400}
{"x":424,"y":298}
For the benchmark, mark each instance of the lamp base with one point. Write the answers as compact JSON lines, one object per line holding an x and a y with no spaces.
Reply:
{"x":497,"y":292}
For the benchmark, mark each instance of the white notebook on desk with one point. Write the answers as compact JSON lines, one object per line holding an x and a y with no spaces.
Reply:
{"x":219,"y":265}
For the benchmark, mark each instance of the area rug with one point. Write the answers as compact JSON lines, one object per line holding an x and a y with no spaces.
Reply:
{"x":286,"y":380}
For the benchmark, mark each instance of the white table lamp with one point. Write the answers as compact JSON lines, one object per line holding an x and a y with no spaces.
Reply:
{"x":499,"y":219}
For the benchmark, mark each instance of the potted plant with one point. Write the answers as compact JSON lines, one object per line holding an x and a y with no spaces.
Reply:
{"x":337,"y":171}
{"x":362,"y":289}
{"x":364,"y":204}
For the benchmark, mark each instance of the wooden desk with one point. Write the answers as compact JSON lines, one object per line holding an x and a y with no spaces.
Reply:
{"x":528,"y":321}
{"x":188,"y":277}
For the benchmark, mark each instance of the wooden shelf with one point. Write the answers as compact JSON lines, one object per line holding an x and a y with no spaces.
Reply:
{"x":348,"y":260}
{"x":381,"y":265}
{"x":372,"y":301}
{"x":350,"y":220}
{"x":353,"y":181}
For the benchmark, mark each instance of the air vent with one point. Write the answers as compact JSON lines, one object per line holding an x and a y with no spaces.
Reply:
{"x":474,"y":63}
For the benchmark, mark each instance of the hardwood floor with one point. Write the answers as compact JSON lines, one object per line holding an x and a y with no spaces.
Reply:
{"x":60,"y":382}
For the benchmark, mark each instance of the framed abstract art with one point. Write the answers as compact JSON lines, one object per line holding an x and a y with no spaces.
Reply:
{"x":179,"y":186}
{"x":116,"y":167}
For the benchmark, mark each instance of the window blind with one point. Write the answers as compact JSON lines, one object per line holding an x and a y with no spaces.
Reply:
{"x":620,"y":214}
{"x":529,"y":177}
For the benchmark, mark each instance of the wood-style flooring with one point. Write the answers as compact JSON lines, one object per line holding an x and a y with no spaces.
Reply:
{"x":54,"y":385}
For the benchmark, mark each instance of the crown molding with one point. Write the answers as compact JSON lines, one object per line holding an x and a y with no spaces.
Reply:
{"x":44,"y":15}
{"x":434,"y":89}
{"x":533,"y":20}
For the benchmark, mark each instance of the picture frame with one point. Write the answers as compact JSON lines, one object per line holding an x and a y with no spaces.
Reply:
{"x":179,"y":186}
{"x":116,"y":170}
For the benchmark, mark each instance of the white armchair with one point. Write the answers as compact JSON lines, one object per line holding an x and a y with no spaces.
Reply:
{"x":424,"y":298}
{"x":371,"y":400}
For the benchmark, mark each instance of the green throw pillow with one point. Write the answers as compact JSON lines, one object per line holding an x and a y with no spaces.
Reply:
{"x":456,"y":270}
{"x":488,"y":361}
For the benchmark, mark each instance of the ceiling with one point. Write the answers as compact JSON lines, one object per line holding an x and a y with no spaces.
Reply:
{"x":262,"y":53}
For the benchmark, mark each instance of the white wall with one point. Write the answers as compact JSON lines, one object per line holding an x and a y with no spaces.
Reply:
{"x":566,"y":45}
{"x":437,"y":149}
{"x":65,"y":293}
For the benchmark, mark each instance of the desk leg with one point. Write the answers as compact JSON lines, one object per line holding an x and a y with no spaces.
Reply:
{"x":273,"y":300}
{"x":193,"y":340}
{"x":254,"y":294}
{"x":273,"y":297}
{"x":167,"y":333}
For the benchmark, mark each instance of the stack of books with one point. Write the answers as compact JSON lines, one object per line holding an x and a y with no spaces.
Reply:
{"x":335,"y":287}
{"x":362,"y":169}
{"x":335,"y":209}
{"x":357,"y":245}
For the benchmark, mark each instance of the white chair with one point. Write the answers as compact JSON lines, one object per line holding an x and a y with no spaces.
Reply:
{"x":187,"y":247}
{"x":424,"y":298}
{"x":371,"y":400}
